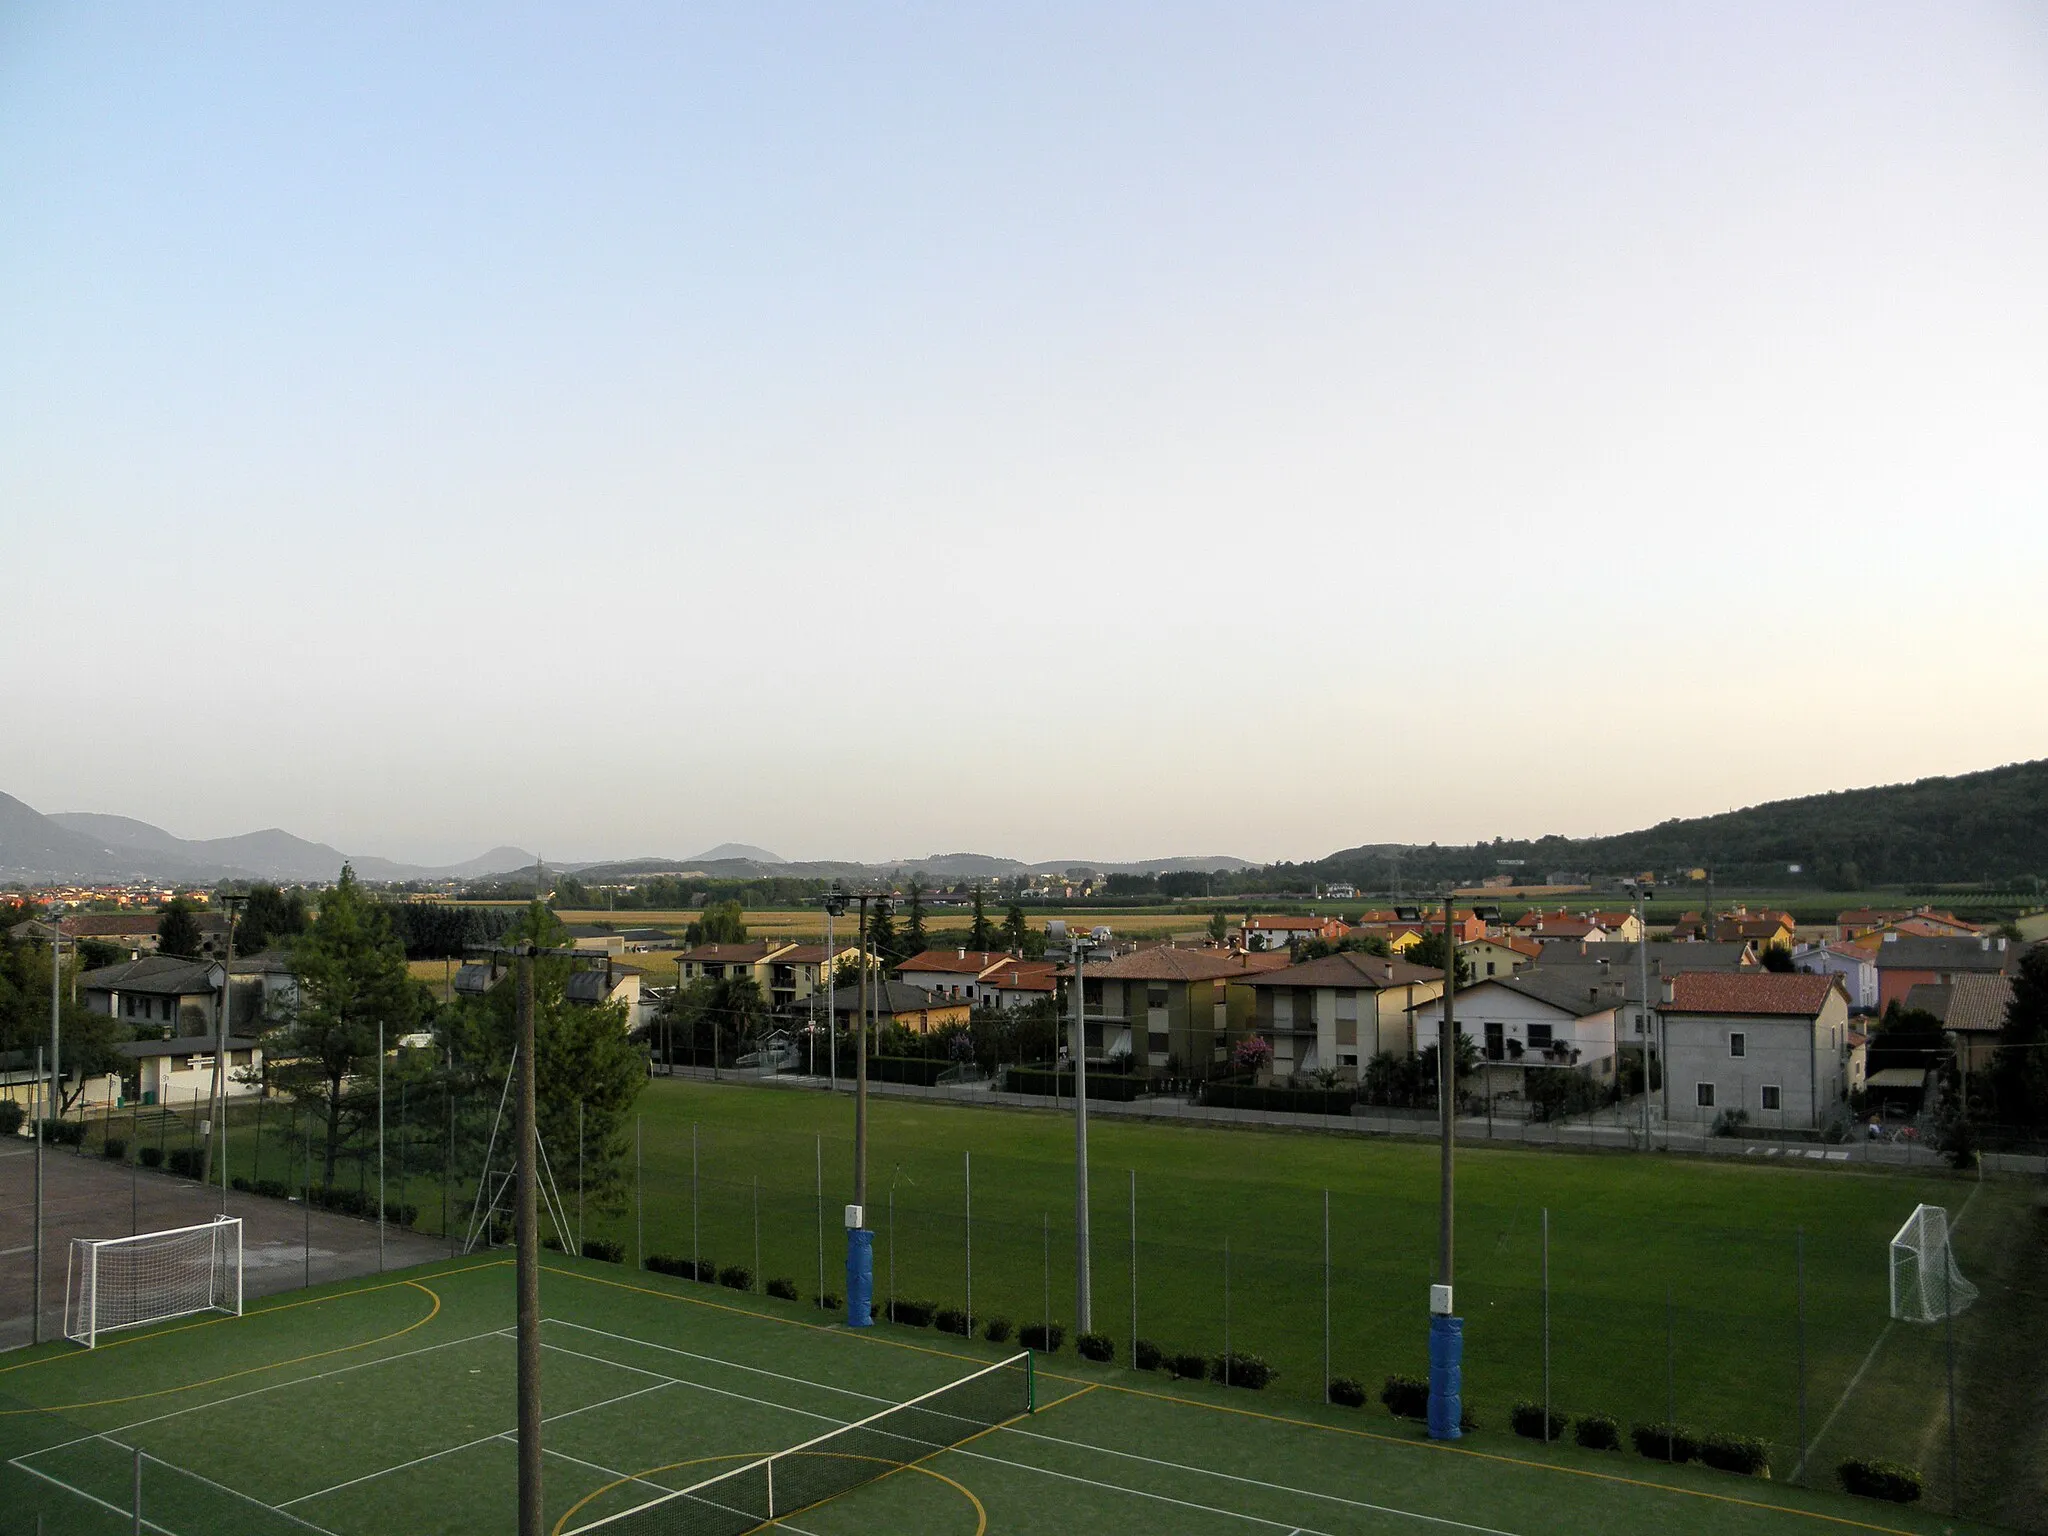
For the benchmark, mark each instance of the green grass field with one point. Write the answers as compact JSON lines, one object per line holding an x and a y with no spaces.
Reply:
{"x":388,"y":1406}
{"x":1674,"y":1282}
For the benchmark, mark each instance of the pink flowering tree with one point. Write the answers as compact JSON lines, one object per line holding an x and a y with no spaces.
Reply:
{"x":1252,"y":1055}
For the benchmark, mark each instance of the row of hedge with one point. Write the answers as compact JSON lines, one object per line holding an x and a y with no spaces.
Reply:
{"x":1039,"y":1080}
{"x":1239,"y":1368}
{"x":1293,"y":1101}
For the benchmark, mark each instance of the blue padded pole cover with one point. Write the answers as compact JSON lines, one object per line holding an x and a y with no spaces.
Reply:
{"x":1446,"y":1376}
{"x":860,"y":1277}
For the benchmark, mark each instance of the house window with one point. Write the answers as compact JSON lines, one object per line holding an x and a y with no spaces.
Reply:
{"x":1706,"y":1095}
{"x":1539,"y":1036}
{"x":1773,"y":1097}
{"x":1738,"y":1043}
{"x":1155,"y":997}
{"x":1489,"y":967}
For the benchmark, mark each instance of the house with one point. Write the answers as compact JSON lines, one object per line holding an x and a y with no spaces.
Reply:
{"x":1922,"y":922}
{"x":157,"y":994}
{"x":1167,"y":1006}
{"x":953,"y":972}
{"x":136,"y":931}
{"x":1905,"y":961}
{"x":1278,"y":932}
{"x":896,"y":1002}
{"x":1773,"y":1045}
{"x":638,"y":941}
{"x":1738,"y":925}
{"x":1541,"y":1021}
{"x":1500,"y":956}
{"x":1559,"y":927}
{"x":593,"y":939}
{"x":1856,"y":964}
{"x":1621,"y":926}
{"x":266,"y":987}
{"x":1623,"y":965}
{"x":1339,"y":1012}
{"x":612,"y":982}
{"x":1015,"y":983}
{"x":180,"y":1070}
{"x":1972,"y":1009}
{"x":1342,"y":891}
{"x":797,"y":973}
{"x":724,"y":962}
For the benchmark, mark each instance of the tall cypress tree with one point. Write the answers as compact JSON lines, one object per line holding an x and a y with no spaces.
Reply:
{"x":913,"y":931}
{"x":981,"y":934}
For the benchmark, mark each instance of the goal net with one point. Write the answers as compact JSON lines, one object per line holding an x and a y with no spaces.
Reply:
{"x":1926,"y":1285}
{"x":124,"y":1282}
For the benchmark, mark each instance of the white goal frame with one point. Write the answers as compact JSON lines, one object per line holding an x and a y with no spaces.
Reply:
{"x":1926,"y":1284}
{"x":112,"y":1283}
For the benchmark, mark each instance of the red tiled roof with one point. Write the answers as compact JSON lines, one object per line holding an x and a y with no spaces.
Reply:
{"x":1795,"y":995}
{"x":954,"y":962}
{"x":1167,"y":964}
{"x":730,"y":954}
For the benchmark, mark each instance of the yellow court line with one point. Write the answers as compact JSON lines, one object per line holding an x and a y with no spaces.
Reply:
{"x":980,"y":1513}
{"x":254,"y":1370}
{"x":1459,"y":1450}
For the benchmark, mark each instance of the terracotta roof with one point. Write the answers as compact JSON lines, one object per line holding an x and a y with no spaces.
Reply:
{"x":1288,"y":924}
{"x":1793,"y":995}
{"x":1022,"y":976}
{"x":1520,"y":946}
{"x":954,"y":962}
{"x":1348,"y":968}
{"x":1167,"y":964}
{"x":731,"y":954}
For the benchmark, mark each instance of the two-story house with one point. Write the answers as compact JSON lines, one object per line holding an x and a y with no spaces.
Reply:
{"x":1338,"y":1012}
{"x":1905,"y":961}
{"x":1855,"y":963}
{"x":157,"y":994}
{"x":1773,"y":1045}
{"x":1541,"y":1020}
{"x":1168,"y":1006}
{"x":973,"y":974}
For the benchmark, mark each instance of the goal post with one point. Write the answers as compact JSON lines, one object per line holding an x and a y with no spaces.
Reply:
{"x":126,"y":1282}
{"x":1926,"y":1284}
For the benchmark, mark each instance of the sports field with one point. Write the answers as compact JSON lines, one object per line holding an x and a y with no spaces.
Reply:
{"x":387,"y":1406}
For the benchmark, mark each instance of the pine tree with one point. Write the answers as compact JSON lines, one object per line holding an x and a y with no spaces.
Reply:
{"x":913,"y":931}
{"x":882,"y":936}
{"x":981,"y":934}
{"x":1014,"y":929}
{"x":177,"y":931}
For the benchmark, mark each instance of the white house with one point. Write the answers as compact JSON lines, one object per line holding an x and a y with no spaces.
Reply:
{"x":1338,"y":1012}
{"x":1533,"y":1022}
{"x":1772,"y":1045}
{"x":181,"y":1071}
{"x":1855,"y":964}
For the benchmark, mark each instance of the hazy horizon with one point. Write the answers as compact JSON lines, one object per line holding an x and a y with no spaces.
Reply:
{"x":1075,"y":431}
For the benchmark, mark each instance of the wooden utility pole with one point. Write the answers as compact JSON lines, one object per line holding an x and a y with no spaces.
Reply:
{"x":526,"y":1237}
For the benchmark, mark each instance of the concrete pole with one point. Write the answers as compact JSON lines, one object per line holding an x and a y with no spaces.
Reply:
{"x":527,"y":1238}
{"x":860,"y":1067}
{"x":56,"y":971}
{"x":831,"y":1001}
{"x":1084,"y":1319}
{"x":218,"y":1102}
{"x":1643,"y":980}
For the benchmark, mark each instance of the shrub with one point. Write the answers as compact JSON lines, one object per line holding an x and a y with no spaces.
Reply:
{"x":63,"y":1133}
{"x":11,"y":1116}
{"x":1597,"y":1432}
{"x":1665,"y":1442}
{"x":953,"y":1320}
{"x":1146,"y":1355}
{"x":734,"y":1277}
{"x":670,"y":1264}
{"x":273,"y":1189}
{"x":184,"y":1161}
{"x":1730,"y":1122}
{"x":1347,"y":1393}
{"x":1406,"y":1397}
{"x":241,"y":1183}
{"x":913,"y":1314}
{"x":1880,"y":1480}
{"x":1186,"y":1367}
{"x":151,"y":1157}
{"x":1099,"y":1347}
{"x":1528,"y":1421}
{"x":1239,"y":1369}
{"x":115,"y":1150}
{"x":1046,"y":1338}
{"x":997,"y":1330}
{"x":782,"y":1290}
{"x":831,"y":1302}
{"x":1736,"y":1453}
{"x":602,"y":1248}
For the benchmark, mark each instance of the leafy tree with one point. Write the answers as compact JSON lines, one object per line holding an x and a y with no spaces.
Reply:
{"x":723,"y":922}
{"x":2019,"y":1071}
{"x":177,"y":931}
{"x":1015,"y":929}
{"x":271,"y":917}
{"x":1219,"y":926}
{"x":1429,"y":951}
{"x":1776,"y":957}
{"x":981,"y":933}
{"x":914,"y":942}
{"x":724,"y":1014}
{"x":352,"y":976}
{"x":85,"y":1040}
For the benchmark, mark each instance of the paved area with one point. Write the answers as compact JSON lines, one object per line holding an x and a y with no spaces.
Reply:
{"x":284,"y":1246}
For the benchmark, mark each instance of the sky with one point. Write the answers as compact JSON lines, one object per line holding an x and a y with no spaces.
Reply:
{"x":1054,"y":430}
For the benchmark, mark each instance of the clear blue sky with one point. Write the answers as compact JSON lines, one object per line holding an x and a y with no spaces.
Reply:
{"x":1056,"y":430}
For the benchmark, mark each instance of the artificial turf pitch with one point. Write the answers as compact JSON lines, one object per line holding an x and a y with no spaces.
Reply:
{"x":387,"y":1406}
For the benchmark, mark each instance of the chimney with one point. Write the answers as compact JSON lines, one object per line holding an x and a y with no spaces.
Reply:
{"x":1891,"y":936}
{"x":1984,"y":942}
{"x":1670,"y":990}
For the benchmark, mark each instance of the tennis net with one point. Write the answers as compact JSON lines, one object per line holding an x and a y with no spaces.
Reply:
{"x":836,"y":1462}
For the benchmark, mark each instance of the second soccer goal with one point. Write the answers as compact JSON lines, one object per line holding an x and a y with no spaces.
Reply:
{"x":125,"y":1282}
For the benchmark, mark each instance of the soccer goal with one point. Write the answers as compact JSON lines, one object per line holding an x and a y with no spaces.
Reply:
{"x":1926,"y":1285}
{"x":124,"y":1282}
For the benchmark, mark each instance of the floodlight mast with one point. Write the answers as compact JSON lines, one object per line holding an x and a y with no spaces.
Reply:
{"x":527,"y":1237}
{"x":860,"y":1237}
{"x":217,"y":1101}
{"x":1641,"y":889}
{"x":835,"y":906}
{"x":1446,"y":1329}
{"x":1076,"y":948}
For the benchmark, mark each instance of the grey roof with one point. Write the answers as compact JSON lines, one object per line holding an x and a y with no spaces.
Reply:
{"x":1347,"y":968}
{"x":647,"y":935}
{"x":158,"y":975}
{"x":1930,"y":997}
{"x":595,"y":984}
{"x":1671,"y":958}
{"x":478,"y":979}
{"x":1562,"y":989}
{"x":1912,"y":952}
{"x":896,"y":997}
{"x":184,"y":1045}
{"x":268,"y":962}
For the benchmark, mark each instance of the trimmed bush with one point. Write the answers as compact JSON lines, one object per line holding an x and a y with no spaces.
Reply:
{"x":669,"y":1264}
{"x":1101,"y":1085}
{"x":11,"y":1116}
{"x":907,"y":1069}
{"x":782,"y":1290}
{"x":1187,"y":1367}
{"x":1406,"y":1397}
{"x":1880,"y":1480}
{"x":735,"y":1277}
{"x":1147,"y":1356}
{"x":1239,"y":1369}
{"x":913,"y":1314}
{"x":1665,"y":1442}
{"x":1099,"y":1347}
{"x":1347,"y":1393}
{"x":997,"y":1330}
{"x":831,"y":1302}
{"x":1597,"y":1432}
{"x":952,"y":1320}
{"x":151,"y":1157}
{"x":241,"y":1183}
{"x":604,"y":1249}
{"x":273,"y":1189}
{"x":1298,"y":1101}
{"x":184,"y":1161}
{"x":115,"y":1150}
{"x":1046,"y":1338}
{"x":63,"y":1133}
{"x":1527,"y":1420}
{"x":1736,"y":1453}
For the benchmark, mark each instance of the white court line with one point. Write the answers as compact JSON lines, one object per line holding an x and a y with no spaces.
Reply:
{"x":1252,"y":1482}
{"x":90,"y":1498}
{"x":1286,"y":1526}
{"x":233,"y":1493}
{"x":467,"y":1445}
{"x":734,"y":1365}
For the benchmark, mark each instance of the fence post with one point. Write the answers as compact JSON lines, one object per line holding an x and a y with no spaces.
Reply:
{"x":760,"y":1280}
{"x":1948,"y":1328}
{"x":696,"y":1227}
{"x":892,"y":1251}
{"x":1226,"y":1310}
{"x":1045,"y":1230}
{"x":639,"y":1213}
{"x":1801,"y":1251}
{"x":819,"y":1149}
{"x":1326,"y":1298}
{"x":138,"y":1491}
{"x":1546,"y":1325}
{"x":1134,"y":1268}
{"x":579,"y":1180}
{"x":967,"y":1174}
{"x":1670,"y":1381}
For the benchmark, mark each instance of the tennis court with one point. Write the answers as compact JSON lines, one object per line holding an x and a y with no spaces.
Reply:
{"x":388,"y":1405}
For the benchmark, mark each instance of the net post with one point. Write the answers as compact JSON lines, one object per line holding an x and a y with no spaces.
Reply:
{"x":768,"y":1466}
{"x":138,"y":1491}
{"x":1030,"y":1382}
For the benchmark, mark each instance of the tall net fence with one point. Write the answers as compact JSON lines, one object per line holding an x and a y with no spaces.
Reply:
{"x":834,"y":1463}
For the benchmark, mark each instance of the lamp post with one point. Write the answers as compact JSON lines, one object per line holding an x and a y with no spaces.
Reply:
{"x":1446,"y":1328}
{"x":860,"y":1238}
{"x":1060,"y":946}
{"x":1641,"y":890}
{"x":835,"y":907}
{"x":216,"y":1136}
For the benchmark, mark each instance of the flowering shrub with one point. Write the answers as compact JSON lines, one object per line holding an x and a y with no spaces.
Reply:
{"x":1252,"y":1055}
